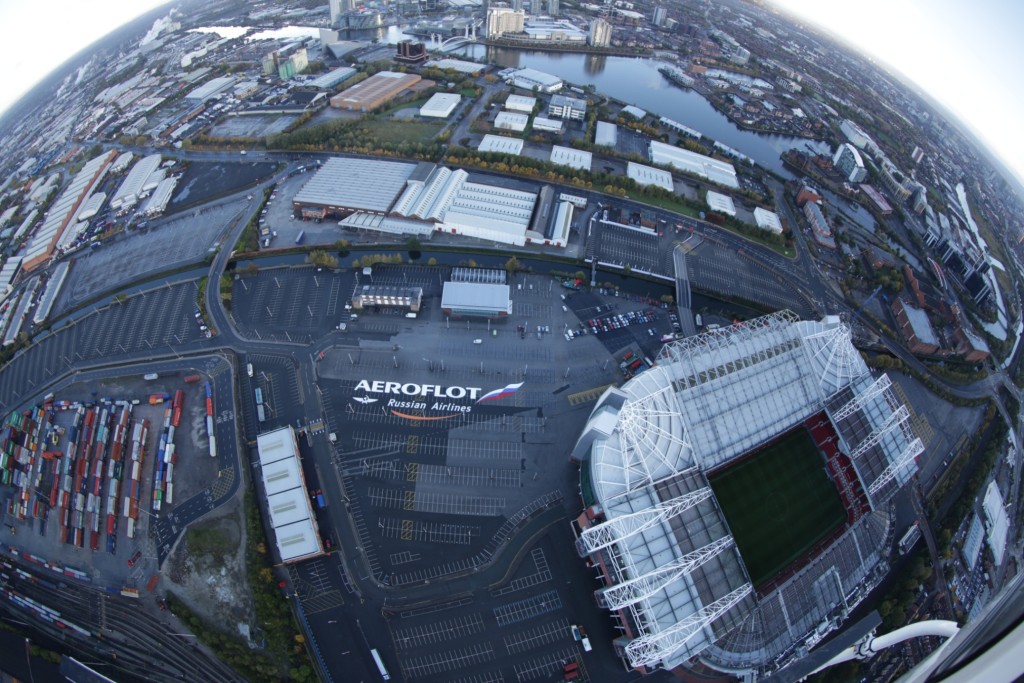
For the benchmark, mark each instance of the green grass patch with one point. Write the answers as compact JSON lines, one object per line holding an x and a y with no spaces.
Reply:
{"x":778,"y":504}
{"x":397,"y":132}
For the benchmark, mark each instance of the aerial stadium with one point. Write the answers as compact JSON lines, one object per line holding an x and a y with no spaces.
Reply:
{"x":737,"y":494}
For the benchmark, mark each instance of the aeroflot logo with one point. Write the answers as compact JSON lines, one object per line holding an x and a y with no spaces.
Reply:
{"x":412,"y":389}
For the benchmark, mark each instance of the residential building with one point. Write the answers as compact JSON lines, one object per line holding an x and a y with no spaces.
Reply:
{"x":502,"y":20}
{"x":848,"y":162}
{"x":600,"y":33}
{"x":339,"y":8}
{"x":660,"y":15}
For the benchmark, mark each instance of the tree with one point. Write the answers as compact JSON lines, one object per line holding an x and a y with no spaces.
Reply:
{"x":321,"y":259}
{"x":432,"y":261}
{"x":512,"y":265}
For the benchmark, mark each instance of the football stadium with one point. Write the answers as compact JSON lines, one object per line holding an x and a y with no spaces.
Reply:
{"x":737,"y":494}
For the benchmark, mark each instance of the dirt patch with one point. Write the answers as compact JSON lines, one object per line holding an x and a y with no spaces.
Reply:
{"x":207,"y":569}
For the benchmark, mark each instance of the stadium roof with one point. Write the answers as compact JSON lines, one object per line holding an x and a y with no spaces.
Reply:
{"x":367,"y":184}
{"x":646,"y":175}
{"x":708,"y":400}
{"x":720,"y":172}
{"x":574,"y":158}
{"x":291,"y":513}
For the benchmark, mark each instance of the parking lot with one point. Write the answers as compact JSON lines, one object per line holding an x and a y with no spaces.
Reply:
{"x":251,"y":126}
{"x":717,"y":270}
{"x":204,"y":181}
{"x":159,"y":319}
{"x":171,"y":243}
{"x":636,"y":247}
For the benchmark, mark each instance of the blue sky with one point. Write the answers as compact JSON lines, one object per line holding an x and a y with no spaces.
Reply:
{"x":965,"y":54}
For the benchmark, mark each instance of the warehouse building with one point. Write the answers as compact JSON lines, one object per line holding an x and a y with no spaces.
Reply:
{"x":134,"y":183}
{"x":440,"y":105}
{"x":332,"y":78}
{"x":471,"y":299}
{"x":768,"y":220}
{"x":157,"y":202}
{"x":721,"y":203}
{"x":514,"y":121}
{"x":211,"y":88}
{"x":528,"y":79}
{"x":343,"y":185}
{"x":606,"y":135}
{"x":408,"y":298}
{"x":289,"y":507}
{"x":460,"y":65}
{"x":546,"y":125}
{"x":374,"y":91}
{"x":501,"y":145}
{"x":647,"y":175}
{"x":63,"y":211}
{"x":716,"y":171}
{"x":520,"y":103}
{"x":573,"y":158}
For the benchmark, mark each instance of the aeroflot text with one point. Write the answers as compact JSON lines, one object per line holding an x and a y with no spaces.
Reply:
{"x":411,"y":389}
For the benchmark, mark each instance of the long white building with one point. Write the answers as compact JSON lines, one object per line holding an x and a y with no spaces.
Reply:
{"x":716,"y":171}
{"x":131,"y":187}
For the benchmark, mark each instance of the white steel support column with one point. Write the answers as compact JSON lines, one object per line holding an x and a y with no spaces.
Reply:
{"x":642,"y":587}
{"x":891,"y":423}
{"x":913,"y":449}
{"x":603,"y":535}
{"x":652,"y":648}
{"x":879,"y":385}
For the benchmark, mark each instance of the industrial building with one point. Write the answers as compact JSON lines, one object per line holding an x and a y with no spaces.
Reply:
{"x":646,"y":175}
{"x":656,"y":455}
{"x":768,"y":220}
{"x":408,"y":298}
{"x":573,"y":158}
{"x":721,"y":203}
{"x":332,"y":78}
{"x":411,"y":52}
{"x":848,"y":162}
{"x":91,"y":206}
{"x":606,"y":134}
{"x":131,"y":187}
{"x":374,"y":91}
{"x":157,"y":202}
{"x":721,"y":172}
{"x":63,"y":211}
{"x":636,"y":112}
{"x":460,"y":65}
{"x":571,"y":108}
{"x":520,"y":103}
{"x":510,"y":120}
{"x":501,"y":145}
{"x":211,"y":88}
{"x":471,"y":299}
{"x":440,"y":105}
{"x":528,"y":79}
{"x":915,"y":328}
{"x":296,"y":536}
{"x":546,"y":125}
{"x":343,"y":185}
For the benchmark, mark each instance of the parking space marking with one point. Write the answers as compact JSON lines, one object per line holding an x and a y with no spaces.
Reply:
{"x":438,"y":632}
{"x":542,"y":575}
{"x":404,"y":557}
{"x":451,"y":660}
{"x":486,"y":677}
{"x":471,"y":449}
{"x":545,"y":665}
{"x":436,"y":607}
{"x":470,"y":476}
{"x":544,"y":634}
{"x":587,"y":396}
{"x":528,"y":608}
{"x":427,"y":532}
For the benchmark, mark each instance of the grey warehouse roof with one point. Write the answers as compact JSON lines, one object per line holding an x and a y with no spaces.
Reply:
{"x":476,"y":296}
{"x":365,"y":184}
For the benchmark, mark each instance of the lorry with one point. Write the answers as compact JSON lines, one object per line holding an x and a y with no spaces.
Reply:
{"x":150,"y":376}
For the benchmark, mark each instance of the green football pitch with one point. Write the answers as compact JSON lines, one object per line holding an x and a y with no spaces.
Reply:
{"x":778,"y":504}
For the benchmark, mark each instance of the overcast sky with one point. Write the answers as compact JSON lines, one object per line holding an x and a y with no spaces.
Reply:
{"x":965,"y":54}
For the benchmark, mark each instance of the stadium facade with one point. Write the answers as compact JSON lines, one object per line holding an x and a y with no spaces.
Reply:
{"x":675,"y":579}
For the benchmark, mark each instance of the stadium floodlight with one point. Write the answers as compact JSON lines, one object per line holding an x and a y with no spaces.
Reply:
{"x":913,"y":449}
{"x":859,"y":401}
{"x":642,"y":587}
{"x":653,"y":648}
{"x":619,"y":528}
{"x":892,"y":423}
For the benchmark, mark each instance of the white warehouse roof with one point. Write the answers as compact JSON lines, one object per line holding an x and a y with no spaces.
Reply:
{"x":441,"y":105}
{"x":502,"y":144}
{"x":720,"y":172}
{"x":543,"y":123}
{"x":473,"y":296}
{"x":520,"y":103}
{"x":768,"y":220}
{"x":131,"y":186}
{"x":513,"y":121}
{"x":722,"y":203}
{"x":607,"y":134}
{"x":647,"y":175}
{"x":291,"y":513}
{"x":367,"y":184}
{"x":211,"y":88}
{"x":574,"y":158}
{"x":635,"y":112}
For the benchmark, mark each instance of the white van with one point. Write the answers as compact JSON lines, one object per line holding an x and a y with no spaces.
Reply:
{"x":478,"y":341}
{"x":248,"y":369}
